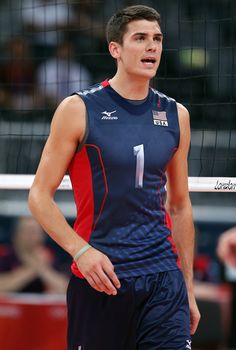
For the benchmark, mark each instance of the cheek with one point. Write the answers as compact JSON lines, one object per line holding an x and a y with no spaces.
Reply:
{"x":131,"y":60}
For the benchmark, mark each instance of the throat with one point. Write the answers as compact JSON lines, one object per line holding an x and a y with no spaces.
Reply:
{"x":131,"y":90}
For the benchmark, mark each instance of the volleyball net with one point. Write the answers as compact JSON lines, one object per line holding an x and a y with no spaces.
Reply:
{"x":51,"y":49}
{"x":196,"y":184}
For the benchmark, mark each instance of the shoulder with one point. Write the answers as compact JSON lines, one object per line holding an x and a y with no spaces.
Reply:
{"x":183,"y":115}
{"x":70,"y":107}
{"x":71,"y":104}
{"x":184,"y":125}
{"x":69,"y":110}
{"x":69,"y":118}
{"x":182,"y":111}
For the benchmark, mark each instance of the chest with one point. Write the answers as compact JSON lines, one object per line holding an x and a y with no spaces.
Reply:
{"x":125,"y":139}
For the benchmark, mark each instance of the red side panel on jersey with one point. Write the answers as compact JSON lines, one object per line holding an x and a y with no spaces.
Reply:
{"x":168,"y":224}
{"x":81,"y":178}
{"x":170,"y":239}
{"x":99,"y":203}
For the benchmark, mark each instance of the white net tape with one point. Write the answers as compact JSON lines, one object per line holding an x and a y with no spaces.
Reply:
{"x":196,"y":184}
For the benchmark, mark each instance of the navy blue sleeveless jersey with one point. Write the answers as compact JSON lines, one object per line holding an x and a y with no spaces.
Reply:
{"x":118,"y":179}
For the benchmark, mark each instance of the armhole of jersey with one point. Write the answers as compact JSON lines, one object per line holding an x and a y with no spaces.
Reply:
{"x":177,"y":121}
{"x":81,"y":144}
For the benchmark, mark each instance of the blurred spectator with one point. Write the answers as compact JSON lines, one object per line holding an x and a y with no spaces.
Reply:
{"x":47,"y":21}
{"x":90,"y":39}
{"x":61,"y":75}
{"x":226,"y":248}
{"x":202,"y":268}
{"x":17,"y":76}
{"x":28,"y":265}
{"x":10,"y":19}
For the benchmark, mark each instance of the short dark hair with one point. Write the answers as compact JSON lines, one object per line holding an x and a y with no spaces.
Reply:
{"x":117,"y":25}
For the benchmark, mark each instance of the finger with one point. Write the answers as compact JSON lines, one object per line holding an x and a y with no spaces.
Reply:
{"x":106,"y":283}
{"x":113,"y":277}
{"x":193,"y":329}
{"x":194,"y":323}
{"x":109,"y":270}
{"x":102,"y":283}
{"x":93,"y":284}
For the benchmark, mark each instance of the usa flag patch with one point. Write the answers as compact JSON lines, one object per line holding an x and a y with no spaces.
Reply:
{"x":159,"y":118}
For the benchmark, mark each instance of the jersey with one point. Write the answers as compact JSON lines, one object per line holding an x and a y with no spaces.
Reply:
{"x":118,"y":179}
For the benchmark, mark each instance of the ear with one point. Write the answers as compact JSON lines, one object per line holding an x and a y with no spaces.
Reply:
{"x":114,"y":49}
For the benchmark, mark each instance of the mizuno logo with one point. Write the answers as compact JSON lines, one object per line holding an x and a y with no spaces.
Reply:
{"x":108,"y":115}
{"x":188,"y":345}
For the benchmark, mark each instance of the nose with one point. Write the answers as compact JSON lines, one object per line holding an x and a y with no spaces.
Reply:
{"x":151,"y":46}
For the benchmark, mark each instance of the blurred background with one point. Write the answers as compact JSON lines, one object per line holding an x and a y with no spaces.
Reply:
{"x":51,"y":48}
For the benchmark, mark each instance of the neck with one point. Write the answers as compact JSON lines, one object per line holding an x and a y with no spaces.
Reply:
{"x":130,"y":88}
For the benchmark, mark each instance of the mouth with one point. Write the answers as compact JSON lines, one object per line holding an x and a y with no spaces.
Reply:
{"x":149,"y":62}
{"x":153,"y":60}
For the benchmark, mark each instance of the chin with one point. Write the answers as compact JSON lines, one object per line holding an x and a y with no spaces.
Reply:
{"x":143,"y":74}
{"x":148,"y":75}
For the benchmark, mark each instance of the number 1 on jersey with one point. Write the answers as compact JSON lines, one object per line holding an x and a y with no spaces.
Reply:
{"x":139,"y":154}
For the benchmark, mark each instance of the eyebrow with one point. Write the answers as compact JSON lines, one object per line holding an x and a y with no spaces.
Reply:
{"x":141,"y":33}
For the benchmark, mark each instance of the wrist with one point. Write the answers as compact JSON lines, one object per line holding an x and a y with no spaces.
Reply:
{"x":82,"y":251}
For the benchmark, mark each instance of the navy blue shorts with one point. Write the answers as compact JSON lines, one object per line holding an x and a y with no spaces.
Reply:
{"x":148,"y":313}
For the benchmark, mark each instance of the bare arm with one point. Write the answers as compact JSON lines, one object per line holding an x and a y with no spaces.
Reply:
{"x":33,"y":266}
{"x":180,"y":210}
{"x":67,"y":130}
{"x":55,"y":281}
{"x":41,"y":263}
{"x":14,"y":281}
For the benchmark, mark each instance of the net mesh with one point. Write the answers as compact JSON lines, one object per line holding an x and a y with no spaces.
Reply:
{"x":51,"y":48}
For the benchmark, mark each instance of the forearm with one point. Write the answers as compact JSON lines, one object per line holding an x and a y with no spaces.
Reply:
{"x":48,"y":214}
{"x":14,"y":281}
{"x":184,"y":238}
{"x":55,"y":281}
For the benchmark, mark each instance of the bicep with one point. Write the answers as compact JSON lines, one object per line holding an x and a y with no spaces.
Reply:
{"x":67,"y":130}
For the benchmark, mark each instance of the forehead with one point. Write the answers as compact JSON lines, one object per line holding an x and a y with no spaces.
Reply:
{"x":143,"y":26}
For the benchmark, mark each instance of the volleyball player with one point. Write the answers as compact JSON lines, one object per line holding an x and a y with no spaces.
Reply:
{"x":121,"y":140}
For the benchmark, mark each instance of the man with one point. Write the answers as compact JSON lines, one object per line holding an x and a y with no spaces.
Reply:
{"x":118,"y":140}
{"x":226,"y":248}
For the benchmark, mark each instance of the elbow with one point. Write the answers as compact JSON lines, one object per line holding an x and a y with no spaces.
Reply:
{"x":33,"y":199}
{"x":39,"y":199}
{"x":179,"y":206}
{"x":36,"y":199}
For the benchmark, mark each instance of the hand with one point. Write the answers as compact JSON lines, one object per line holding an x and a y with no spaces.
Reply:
{"x":226,"y":249}
{"x":98,"y":270}
{"x":194,"y":314}
{"x":38,"y":259}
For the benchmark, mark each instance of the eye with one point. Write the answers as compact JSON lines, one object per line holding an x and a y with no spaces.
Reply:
{"x":140,"y":38}
{"x":158,"y":38}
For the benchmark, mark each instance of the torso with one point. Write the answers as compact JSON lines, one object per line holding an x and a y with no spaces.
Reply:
{"x":118,"y":178}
